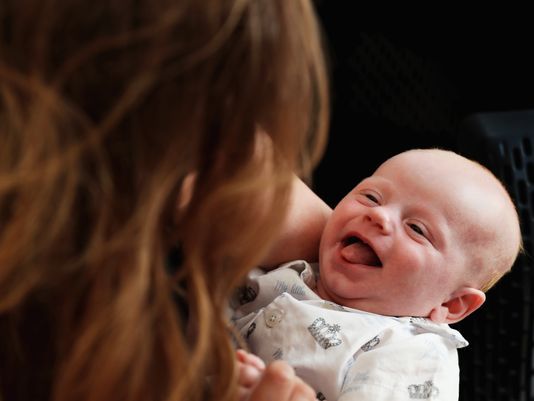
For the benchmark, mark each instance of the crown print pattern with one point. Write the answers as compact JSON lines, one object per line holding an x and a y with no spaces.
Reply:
{"x":326,"y":335}
{"x":250,"y":330}
{"x":424,"y":391}
{"x":246,"y":294}
{"x":369,"y":345}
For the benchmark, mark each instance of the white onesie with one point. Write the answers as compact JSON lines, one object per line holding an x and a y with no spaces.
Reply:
{"x":344,"y":353}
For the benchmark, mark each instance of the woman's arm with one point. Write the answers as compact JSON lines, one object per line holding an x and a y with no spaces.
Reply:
{"x":302,"y":229}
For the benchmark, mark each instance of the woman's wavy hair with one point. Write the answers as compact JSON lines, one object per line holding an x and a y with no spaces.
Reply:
{"x":105,"y":108}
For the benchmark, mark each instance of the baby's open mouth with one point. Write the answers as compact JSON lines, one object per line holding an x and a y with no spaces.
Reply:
{"x":354,"y":250}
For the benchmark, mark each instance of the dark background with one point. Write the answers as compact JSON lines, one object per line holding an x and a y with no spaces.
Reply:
{"x":392,"y":91}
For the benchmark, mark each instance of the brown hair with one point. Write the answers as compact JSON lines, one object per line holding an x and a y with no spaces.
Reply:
{"x":105,"y":108}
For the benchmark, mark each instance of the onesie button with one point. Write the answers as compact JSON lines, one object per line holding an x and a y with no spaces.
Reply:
{"x":273,"y":317}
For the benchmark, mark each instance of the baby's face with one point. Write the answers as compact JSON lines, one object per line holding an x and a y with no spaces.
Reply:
{"x":395,"y":245}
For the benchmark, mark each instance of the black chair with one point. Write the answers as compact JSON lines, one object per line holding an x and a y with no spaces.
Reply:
{"x":498,"y":364}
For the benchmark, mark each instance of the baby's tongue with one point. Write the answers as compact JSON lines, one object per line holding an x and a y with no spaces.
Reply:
{"x":360,"y":253}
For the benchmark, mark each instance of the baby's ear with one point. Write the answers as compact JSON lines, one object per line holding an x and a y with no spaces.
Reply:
{"x":462,"y":303}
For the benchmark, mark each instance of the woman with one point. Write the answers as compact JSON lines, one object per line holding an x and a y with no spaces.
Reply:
{"x":105,"y":108}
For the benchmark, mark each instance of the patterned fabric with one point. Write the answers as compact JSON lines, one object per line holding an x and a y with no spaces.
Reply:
{"x":344,"y":353}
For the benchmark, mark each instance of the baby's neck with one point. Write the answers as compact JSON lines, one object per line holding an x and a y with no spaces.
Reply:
{"x":319,"y":290}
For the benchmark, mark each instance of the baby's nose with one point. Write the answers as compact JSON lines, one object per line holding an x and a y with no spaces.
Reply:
{"x":379,"y":217}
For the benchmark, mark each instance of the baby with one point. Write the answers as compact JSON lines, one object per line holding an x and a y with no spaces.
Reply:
{"x":408,"y":251}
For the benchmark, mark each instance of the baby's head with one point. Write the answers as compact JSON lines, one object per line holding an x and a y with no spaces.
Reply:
{"x":426,"y":235}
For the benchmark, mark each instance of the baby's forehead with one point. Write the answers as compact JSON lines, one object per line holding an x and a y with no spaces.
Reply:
{"x":436,"y":171}
{"x":468,"y":196}
{"x":437,"y":182}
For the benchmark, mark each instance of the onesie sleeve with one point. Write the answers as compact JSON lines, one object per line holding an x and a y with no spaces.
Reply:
{"x":418,"y":367}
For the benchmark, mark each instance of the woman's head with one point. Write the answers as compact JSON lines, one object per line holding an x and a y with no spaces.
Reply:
{"x":104,"y":109}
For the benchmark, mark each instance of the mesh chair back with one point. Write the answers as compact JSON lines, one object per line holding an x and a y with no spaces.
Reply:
{"x":498,"y":363}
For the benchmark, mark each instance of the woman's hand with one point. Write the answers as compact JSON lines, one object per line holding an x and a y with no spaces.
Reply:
{"x":277,"y":381}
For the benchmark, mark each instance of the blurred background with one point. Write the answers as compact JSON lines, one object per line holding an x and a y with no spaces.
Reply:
{"x":396,"y":90}
{"x":469,"y":90}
